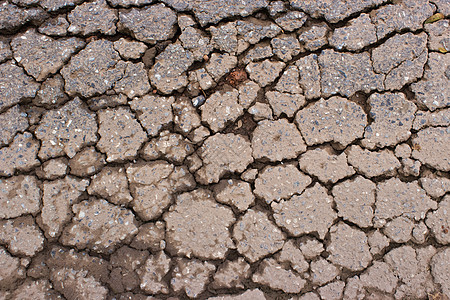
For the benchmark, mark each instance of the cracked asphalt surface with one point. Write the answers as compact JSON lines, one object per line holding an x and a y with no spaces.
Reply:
{"x":224,"y":150}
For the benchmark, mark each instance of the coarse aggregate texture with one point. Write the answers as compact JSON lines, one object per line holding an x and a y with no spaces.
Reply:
{"x":224,"y":150}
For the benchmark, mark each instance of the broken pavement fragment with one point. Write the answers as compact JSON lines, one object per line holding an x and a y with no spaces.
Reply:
{"x":19,"y":195}
{"x":93,"y":17}
{"x":432,"y":147}
{"x":223,"y":153}
{"x":347,"y":73}
{"x":94,"y":70}
{"x":371,"y":163}
{"x":22,"y":236}
{"x":12,"y":121}
{"x":20,"y":155}
{"x":357,"y":34}
{"x":66,"y":130}
{"x":192,"y":276}
{"x":197,"y":226}
{"x":134,"y":81}
{"x":264,"y":72}
{"x":41,"y":55}
{"x":169,"y":71}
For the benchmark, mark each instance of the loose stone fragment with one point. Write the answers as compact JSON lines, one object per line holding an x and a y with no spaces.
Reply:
{"x":396,"y":198}
{"x":432,"y":147}
{"x":55,"y":27}
{"x":199,"y":134}
{"x":53,"y":169}
{"x":291,"y":254}
{"x":15,"y":85}
{"x":289,"y":81}
{"x":440,"y":270}
{"x":19,"y":195}
{"x":150,"y":236}
{"x":121,"y":135}
{"x":311,"y":248}
{"x":260,"y":111}
{"x":354,"y":199}
{"x":377,"y":242}
{"x":410,"y":167}
{"x":272,"y":274}
{"x":393,"y":116}
{"x":291,"y":20}
{"x":198,"y":226}
{"x":220,"y":64}
{"x":258,"y":52}
{"x":420,"y":233}
{"x":309,"y":72}
{"x":401,"y":58}
{"x":372,"y":164}
{"x":151,"y":24}
{"x":231,"y":274}
{"x":221,"y":108}
{"x":349,"y":247}
{"x":438,"y":35}
{"x":153,"y":112}
{"x":399,"y":229}
{"x":434,"y":119}
{"x":357,"y":34}
{"x":86,"y":162}
{"x":439,"y":221}
{"x":257,"y":236}
{"x":22,"y":236}
{"x":234,"y":192}
{"x":277,"y":140}
{"x":380,"y":277}
{"x":333,"y":11}
{"x":403,"y":151}
{"x":170,"y":146}
{"x":323,"y":272}
{"x":20,"y":155}
{"x":129,"y":49}
{"x":111,"y":183}
{"x":333,"y":290}
{"x":151,"y":274}
{"x":93,"y":17}
{"x":309,"y":212}
{"x":327,"y":166}
{"x":285,"y":46}
{"x":435,"y":186}
{"x":196,"y":41}
{"x":432,"y":90}
{"x":94,"y":70}
{"x":99,"y":226}
{"x":248,"y":93}
{"x":168,"y":72}
{"x":192,"y":276}
{"x":224,"y":37}
{"x":285,"y":103}
{"x":185,"y":115}
{"x":276,"y":7}
{"x":264,"y":72}
{"x":333,"y":120}
{"x":408,"y":14}
{"x":152,"y":186}
{"x":58,"y":197}
{"x":314,"y":38}
{"x":280,"y":182}
{"x":134,"y":82}
{"x":347,"y":73}
{"x":253,"y":30}
{"x":51,"y":93}
{"x":10,"y":270}
{"x":223,"y":153}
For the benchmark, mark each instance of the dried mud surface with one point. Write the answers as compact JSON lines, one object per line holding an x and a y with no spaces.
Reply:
{"x":240,"y":149}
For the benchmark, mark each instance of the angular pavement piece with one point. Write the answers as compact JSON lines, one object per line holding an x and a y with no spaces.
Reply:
{"x":248,"y":92}
{"x":326,"y":166}
{"x":379,"y":276}
{"x":151,"y":236}
{"x":354,"y":200}
{"x":396,"y":198}
{"x":19,"y":195}
{"x":93,"y":70}
{"x":431,"y":119}
{"x":5,"y":51}
{"x":331,"y":291}
{"x":112,"y":184}
{"x":257,"y":236}
{"x":151,"y":24}
{"x":435,"y":186}
{"x":371,"y":163}
{"x":22,"y":236}
{"x":348,"y":73}
{"x":171,"y":146}
{"x":121,"y":134}
{"x":393,"y":116}
{"x":196,"y":41}
{"x":285,"y":103}
{"x":197,"y":226}
{"x":333,"y":120}
{"x":55,"y":27}
{"x":11,"y":122}
{"x":192,"y":276}
{"x":41,"y":55}
{"x":285,"y":46}
{"x":58,"y":197}
{"x":221,"y":108}
{"x":277,"y":140}
{"x":39,"y":289}
{"x":14,"y":17}
{"x":93,"y":17}
{"x":357,"y":34}
{"x":99,"y":226}
{"x":220,"y":64}
{"x":309,"y":212}
{"x":399,"y":229}
{"x":272,"y":274}
{"x":224,"y":37}
{"x":280,"y":182}
{"x":438,"y":35}
{"x":440,"y":270}
{"x":401,"y":58}
{"x":409,"y":14}
{"x":20,"y":155}
{"x":66,"y":130}
{"x":87,"y":162}
{"x":333,"y":11}
{"x":53,"y":169}
{"x":291,"y":254}
{"x":264,"y":72}
{"x":185,"y":115}
{"x":130,"y":49}
{"x":432,"y":147}
{"x":308,"y":68}
{"x":349,"y":247}
{"x":15,"y":85}
{"x":231,"y":274}
{"x":221,"y":154}
{"x":314,"y":38}
{"x":11,"y":269}
{"x":134,"y":82}
{"x":168,"y":72}
{"x":291,"y":20}
{"x":289,"y":81}
{"x":432,"y":90}
{"x":322,"y":271}
{"x":439,"y":221}
{"x":234,"y":192}
{"x":51,"y":94}
{"x":151,"y":274}
{"x":253,"y":30}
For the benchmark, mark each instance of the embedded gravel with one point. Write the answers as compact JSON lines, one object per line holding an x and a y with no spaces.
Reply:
{"x":224,"y":150}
